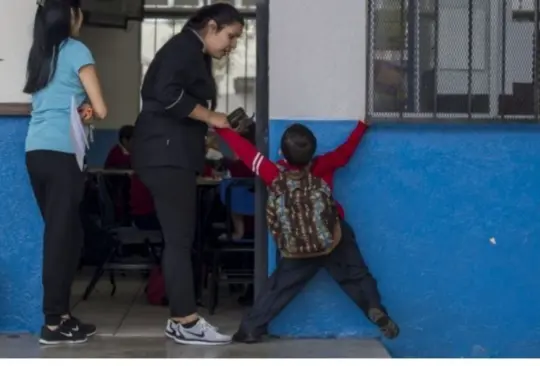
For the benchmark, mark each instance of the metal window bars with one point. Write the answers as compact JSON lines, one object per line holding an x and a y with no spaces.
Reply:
{"x":454,"y":60}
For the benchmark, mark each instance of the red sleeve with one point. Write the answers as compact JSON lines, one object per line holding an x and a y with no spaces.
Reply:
{"x":248,"y":153}
{"x":342,"y":154}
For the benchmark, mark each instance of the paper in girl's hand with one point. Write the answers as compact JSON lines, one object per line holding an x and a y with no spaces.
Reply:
{"x":77,"y":134}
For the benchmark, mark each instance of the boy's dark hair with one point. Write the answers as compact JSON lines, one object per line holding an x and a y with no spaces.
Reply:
{"x":125,"y":133}
{"x":298,"y":145}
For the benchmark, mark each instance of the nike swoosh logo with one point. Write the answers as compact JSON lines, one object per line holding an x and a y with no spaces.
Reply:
{"x":200,"y":335}
{"x":67,"y":334}
{"x":76,"y":329}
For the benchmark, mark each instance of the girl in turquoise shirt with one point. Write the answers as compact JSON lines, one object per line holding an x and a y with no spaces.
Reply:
{"x":59,"y":69}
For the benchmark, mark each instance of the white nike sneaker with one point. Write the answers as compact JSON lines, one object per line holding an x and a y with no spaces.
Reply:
{"x":202,"y":333}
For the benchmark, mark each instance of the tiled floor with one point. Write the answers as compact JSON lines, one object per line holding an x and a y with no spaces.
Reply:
{"x":130,"y":328}
{"x":128,"y":314}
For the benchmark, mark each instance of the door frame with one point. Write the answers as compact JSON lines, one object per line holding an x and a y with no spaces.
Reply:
{"x":262,"y":116}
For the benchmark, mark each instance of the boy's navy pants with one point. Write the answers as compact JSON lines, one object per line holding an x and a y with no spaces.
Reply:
{"x":345,"y":264}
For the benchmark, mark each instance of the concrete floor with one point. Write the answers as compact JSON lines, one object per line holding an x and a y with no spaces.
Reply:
{"x":130,"y":328}
{"x":145,"y":347}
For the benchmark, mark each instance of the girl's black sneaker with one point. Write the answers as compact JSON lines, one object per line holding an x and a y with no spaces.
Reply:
{"x":61,"y":335}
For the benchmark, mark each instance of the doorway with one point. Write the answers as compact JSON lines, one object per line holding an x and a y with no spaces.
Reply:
{"x":242,"y":81}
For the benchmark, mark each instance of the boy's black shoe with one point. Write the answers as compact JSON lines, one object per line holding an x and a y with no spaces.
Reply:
{"x":61,"y":335}
{"x":239,"y":120}
{"x":386,"y":325}
{"x":246,"y":337}
{"x":77,"y":326}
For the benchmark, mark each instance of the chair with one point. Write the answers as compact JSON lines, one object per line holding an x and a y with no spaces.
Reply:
{"x":238,"y":197}
{"x":116,"y":237}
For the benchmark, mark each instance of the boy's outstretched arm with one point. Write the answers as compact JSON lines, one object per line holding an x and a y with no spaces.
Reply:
{"x":248,"y":153}
{"x":342,"y":154}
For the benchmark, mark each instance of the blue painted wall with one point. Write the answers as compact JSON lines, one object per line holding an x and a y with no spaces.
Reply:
{"x":21,"y":231}
{"x":104,"y":140}
{"x":424,"y":201}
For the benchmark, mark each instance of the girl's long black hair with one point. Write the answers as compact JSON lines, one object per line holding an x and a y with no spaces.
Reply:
{"x":52,"y":26}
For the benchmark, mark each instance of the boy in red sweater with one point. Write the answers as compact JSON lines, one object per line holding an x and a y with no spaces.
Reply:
{"x":345,"y":263}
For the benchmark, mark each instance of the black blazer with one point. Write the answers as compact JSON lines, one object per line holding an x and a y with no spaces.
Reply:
{"x":179,"y":78}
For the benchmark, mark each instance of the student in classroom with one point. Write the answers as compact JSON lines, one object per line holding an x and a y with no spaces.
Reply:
{"x":119,"y":156}
{"x":141,"y":205}
{"x":342,"y":259}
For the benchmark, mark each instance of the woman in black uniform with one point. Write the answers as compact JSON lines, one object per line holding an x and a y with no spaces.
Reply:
{"x":178,"y":101}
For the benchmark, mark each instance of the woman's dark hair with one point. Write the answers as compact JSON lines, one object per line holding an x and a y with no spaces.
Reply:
{"x":52,"y":26}
{"x":298,"y":145}
{"x":222,"y":13}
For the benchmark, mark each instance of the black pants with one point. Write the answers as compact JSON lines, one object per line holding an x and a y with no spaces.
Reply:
{"x":58,"y":186}
{"x":174,"y":191}
{"x":345,"y":264}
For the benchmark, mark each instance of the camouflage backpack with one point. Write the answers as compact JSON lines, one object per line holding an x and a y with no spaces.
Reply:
{"x":301,"y":214}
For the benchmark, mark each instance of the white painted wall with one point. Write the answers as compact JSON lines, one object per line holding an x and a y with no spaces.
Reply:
{"x":16,"y":23}
{"x":117,"y":54}
{"x":317,"y":66}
